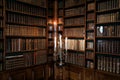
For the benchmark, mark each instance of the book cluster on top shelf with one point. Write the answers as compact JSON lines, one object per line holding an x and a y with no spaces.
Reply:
{"x":108,"y":5}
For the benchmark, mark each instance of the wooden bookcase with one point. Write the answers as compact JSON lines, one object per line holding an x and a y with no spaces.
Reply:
{"x":95,"y":25}
{"x":23,"y":39}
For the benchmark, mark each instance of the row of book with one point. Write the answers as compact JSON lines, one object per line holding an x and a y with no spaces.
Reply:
{"x":109,"y":17}
{"x":41,"y":3}
{"x":90,"y":26}
{"x":1,"y":23}
{"x":91,"y":6}
{"x":108,"y":30}
{"x":108,"y":5}
{"x":90,"y":35}
{"x":18,"y":30}
{"x":69,"y":3}
{"x":90,"y":44}
{"x":108,"y":46}
{"x":23,"y":19}
{"x":74,"y":32}
{"x":90,"y":16}
{"x":74,"y":44}
{"x":75,"y":11}
{"x":74,"y":21}
{"x":75,"y":58}
{"x":108,"y":63}
{"x":16,"y":45}
{"x":28,"y":9}
{"x":1,"y":34}
{"x":89,"y":64}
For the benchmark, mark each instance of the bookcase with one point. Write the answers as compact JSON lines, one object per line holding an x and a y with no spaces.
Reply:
{"x":108,"y":36}
{"x":23,"y":38}
{"x":92,"y":28}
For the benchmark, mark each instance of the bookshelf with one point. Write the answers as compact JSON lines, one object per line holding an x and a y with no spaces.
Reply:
{"x":23,"y":41}
{"x":107,"y":35}
{"x":96,"y":23}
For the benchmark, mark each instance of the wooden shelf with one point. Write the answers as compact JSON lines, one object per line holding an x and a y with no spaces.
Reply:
{"x":76,"y":50}
{"x":73,"y":16}
{"x":90,"y":30}
{"x":90,"y":20}
{"x":71,"y":37}
{"x":108,"y":10}
{"x":108,"y":73}
{"x":25,"y":13}
{"x":90,"y":11}
{"x":112,"y":54}
{"x":90,"y":39}
{"x":90,"y":49}
{"x":108,"y":37}
{"x":41,"y":26}
{"x":105,"y":23}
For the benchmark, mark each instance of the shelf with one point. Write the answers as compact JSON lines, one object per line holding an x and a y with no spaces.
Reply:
{"x":108,"y":37}
{"x":90,"y":20}
{"x":73,"y":16}
{"x":108,"y":23}
{"x":17,"y":36}
{"x":90,"y":11}
{"x":90,"y":39}
{"x":90,"y":49}
{"x":108,"y":10}
{"x":91,"y":1}
{"x":41,"y":26}
{"x":24,"y":51}
{"x":74,"y":6}
{"x":28,"y":14}
{"x":90,"y":59}
{"x":76,"y":50}
{"x":108,"y":73}
{"x":90,"y":30}
{"x":71,"y":37}
{"x":110,"y":54}
{"x":68,"y":26}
